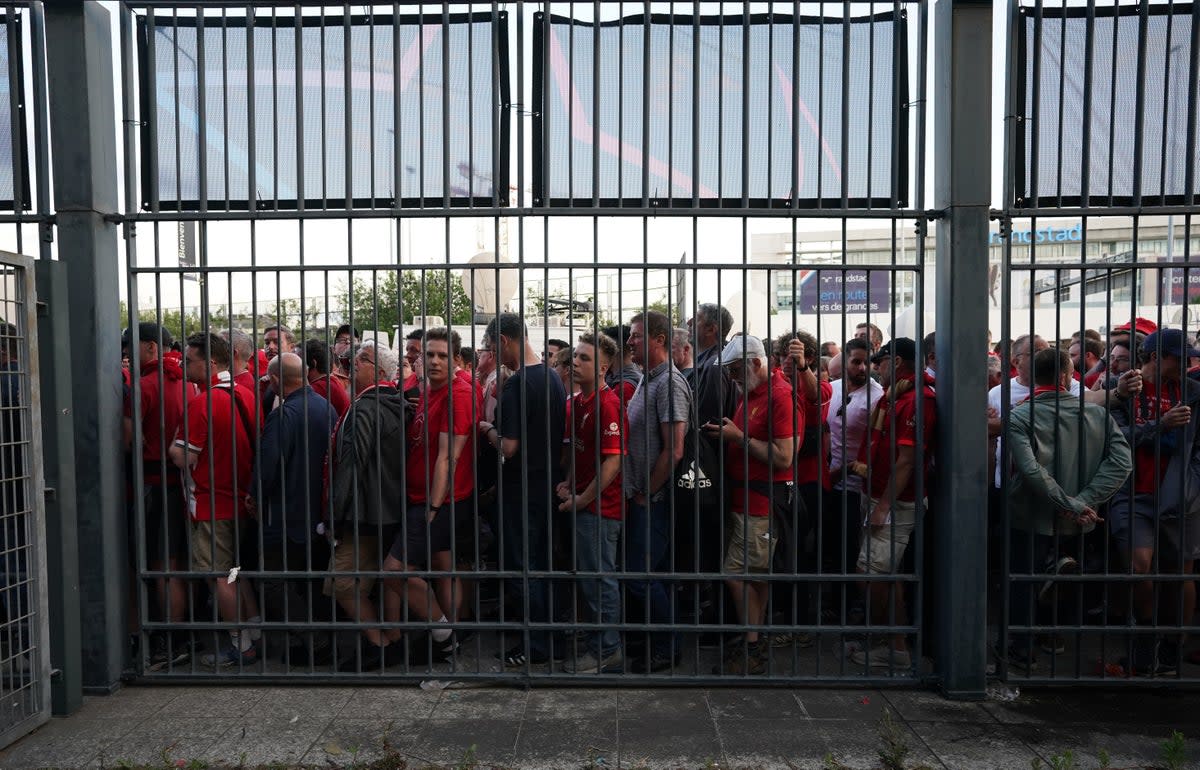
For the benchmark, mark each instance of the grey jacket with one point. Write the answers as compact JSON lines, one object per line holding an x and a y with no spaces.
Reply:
{"x":1179,"y":493}
{"x":1066,"y":455}
{"x":367,"y":461}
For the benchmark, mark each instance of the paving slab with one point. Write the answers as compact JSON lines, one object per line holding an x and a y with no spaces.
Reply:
{"x":917,"y":706}
{"x":760,"y":743}
{"x":501,"y":701}
{"x":660,"y":741}
{"x":567,"y":743}
{"x":351,"y":741}
{"x":843,"y":704}
{"x":963,"y":745}
{"x":402,"y":704}
{"x":572,"y":703}
{"x":755,"y":704}
{"x":66,"y":743}
{"x":668,"y":704}
{"x":483,"y":739}
{"x":266,"y":741}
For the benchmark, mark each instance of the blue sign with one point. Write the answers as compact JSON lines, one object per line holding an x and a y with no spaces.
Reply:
{"x":854,"y":291}
{"x":1042,"y":235}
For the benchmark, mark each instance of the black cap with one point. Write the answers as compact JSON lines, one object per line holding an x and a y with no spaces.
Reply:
{"x":903,"y":348}
{"x":149,"y":332}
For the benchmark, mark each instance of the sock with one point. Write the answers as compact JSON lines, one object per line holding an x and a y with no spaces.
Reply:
{"x":241,"y":642}
{"x":441,"y":634}
{"x":255,"y":633}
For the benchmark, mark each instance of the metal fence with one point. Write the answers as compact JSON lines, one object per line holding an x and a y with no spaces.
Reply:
{"x":1100,"y":129}
{"x":375,"y":170}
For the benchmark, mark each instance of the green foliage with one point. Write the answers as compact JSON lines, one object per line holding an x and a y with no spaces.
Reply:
{"x":1174,"y":751}
{"x":895,"y":748}
{"x":1105,"y":760}
{"x":385,"y":300}
{"x":1064,"y":761}
{"x":180,"y":324}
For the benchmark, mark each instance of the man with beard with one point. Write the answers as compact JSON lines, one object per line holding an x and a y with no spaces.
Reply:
{"x":891,"y":466}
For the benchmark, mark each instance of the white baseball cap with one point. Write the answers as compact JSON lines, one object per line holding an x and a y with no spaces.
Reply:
{"x":741,"y":347}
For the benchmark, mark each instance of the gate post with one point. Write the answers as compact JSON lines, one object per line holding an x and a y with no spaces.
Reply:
{"x":83,"y":124}
{"x":962,"y":192}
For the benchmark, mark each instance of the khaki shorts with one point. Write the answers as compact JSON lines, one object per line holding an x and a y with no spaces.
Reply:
{"x":751,"y":544}
{"x":343,"y":561}
{"x":883,"y":547}
{"x":214,"y":545}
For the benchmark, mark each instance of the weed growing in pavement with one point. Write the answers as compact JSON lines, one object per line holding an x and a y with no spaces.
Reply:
{"x":468,"y":761}
{"x":895,"y":747}
{"x":830,"y":763}
{"x":1174,"y":751}
{"x":1064,"y":761}
{"x":1105,"y":760}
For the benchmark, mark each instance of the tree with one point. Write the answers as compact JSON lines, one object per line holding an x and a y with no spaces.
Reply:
{"x":385,"y":300}
{"x":180,"y":323}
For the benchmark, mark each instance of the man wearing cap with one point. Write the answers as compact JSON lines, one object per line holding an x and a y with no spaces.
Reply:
{"x":1153,"y":517}
{"x":760,"y":446}
{"x":890,"y":463}
{"x":162,"y":392}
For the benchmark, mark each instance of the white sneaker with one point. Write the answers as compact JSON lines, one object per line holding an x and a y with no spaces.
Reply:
{"x":882,"y":657}
{"x":589,"y":664}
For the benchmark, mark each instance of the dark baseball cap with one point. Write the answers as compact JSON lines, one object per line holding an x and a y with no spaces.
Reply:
{"x":903,"y":348}
{"x":148,"y":331}
{"x":1170,"y":342}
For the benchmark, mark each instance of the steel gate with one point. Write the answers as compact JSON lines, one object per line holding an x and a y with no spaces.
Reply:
{"x":24,"y":627}
{"x":296,"y":173}
{"x":1095,"y":238}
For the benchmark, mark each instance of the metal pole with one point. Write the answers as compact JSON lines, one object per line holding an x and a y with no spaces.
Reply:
{"x":962,"y":190}
{"x":82,"y":104}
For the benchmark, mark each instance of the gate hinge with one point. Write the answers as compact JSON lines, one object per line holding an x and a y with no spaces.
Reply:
{"x":51,"y":494}
{"x":46,"y":231}
{"x":130,"y":228}
{"x":43,"y":307}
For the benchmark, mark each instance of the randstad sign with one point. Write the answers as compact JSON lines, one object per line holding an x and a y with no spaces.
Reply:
{"x":1042,"y":235}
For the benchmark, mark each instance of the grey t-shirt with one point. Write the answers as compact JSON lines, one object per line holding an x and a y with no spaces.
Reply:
{"x":662,"y":396}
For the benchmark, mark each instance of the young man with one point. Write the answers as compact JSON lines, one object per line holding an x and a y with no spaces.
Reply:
{"x":1154,"y":517}
{"x":440,"y":478}
{"x":344,"y":342}
{"x":595,"y":430}
{"x":760,"y":445}
{"x":658,"y":416}
{"x":412,"y":354}
{"x":366,"y":485}
{"x":625,"y":376}
{"x":890,"y":464}
{"x":1085,"y":354}
{"x":851,"y":400}
{"x":531,"y":414}
{"x":871,"y":333}
{"x":1068,"y":458}
{"x":215,"y":450}
{"x":320,"y":378}
{"x":163,"y":391}
{"x":276,"y":340}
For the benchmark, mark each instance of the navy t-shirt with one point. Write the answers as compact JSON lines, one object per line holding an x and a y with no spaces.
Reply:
{"x":533,"y":410}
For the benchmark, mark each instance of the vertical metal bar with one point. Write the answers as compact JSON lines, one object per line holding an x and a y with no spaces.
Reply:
{"x":78,"y":58}
{"x":348,"y":117}
{"x":963,"y":40}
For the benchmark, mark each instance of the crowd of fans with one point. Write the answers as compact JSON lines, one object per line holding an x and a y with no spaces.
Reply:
{"x":582,"y":483}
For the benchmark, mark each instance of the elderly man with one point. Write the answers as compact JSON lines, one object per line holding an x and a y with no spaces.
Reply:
{"x":760,"y":446}
{"x":366,"y":487}
{"x":1068,"y":458}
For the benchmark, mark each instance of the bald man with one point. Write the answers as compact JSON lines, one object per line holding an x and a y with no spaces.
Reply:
{"x":286,"y":498}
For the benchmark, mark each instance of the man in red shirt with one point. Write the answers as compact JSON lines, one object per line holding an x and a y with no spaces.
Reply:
{"x":320,"y":379}
{"x":162,"y":393}
{"x":245,"y":361}
{"x":595,"y":429}
{"x":760,"y":445}
{"x":439,"y":479}
{"x":1155,"y":517}
{"x":1085,"y":354}
{"x":890,"y":463}
{"x":215,"y":449}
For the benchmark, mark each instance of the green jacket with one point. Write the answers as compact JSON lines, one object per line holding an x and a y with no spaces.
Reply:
{"x":1062,"y":461}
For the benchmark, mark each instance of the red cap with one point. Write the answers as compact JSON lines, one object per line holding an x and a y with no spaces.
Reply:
{"x":1140,"y":325}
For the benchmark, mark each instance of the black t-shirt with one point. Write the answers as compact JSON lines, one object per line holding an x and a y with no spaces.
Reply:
{"x":533,"y":408}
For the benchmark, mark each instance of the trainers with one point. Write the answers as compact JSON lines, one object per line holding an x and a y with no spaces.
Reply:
{"x":744,"y":659}
{"x":1052,"y":644}
{"x":884,"y":656}
{"x":611,"y":663}
{"x":1064,"y":565}
{"x":1022,"y":660}
{"x":163,"y":656}
{"x":231,"y":656}
{"x":801,"y":639}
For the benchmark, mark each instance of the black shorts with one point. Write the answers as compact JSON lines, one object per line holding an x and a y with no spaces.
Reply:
{"x":166,"y":535}
{"x":422,"y":538}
